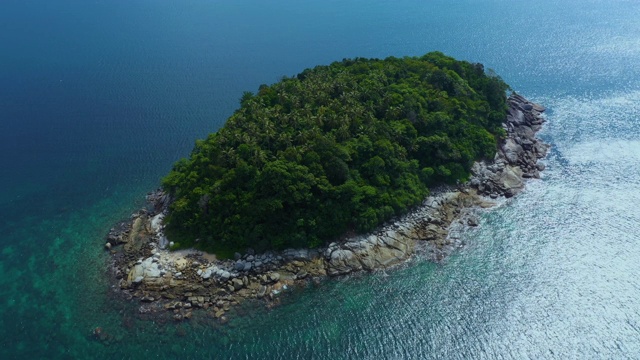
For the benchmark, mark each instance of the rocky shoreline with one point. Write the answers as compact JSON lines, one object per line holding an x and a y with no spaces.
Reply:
{"x":177,"y":282}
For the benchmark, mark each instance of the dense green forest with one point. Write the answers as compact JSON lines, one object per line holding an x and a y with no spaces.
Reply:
{"x":336,"y":149}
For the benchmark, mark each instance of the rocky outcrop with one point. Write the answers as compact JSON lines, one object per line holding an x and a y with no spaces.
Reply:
{"x":517,"y":156}
{"x":516,"y":159}
{"x":183,"y":280}
{"x":397,"y":241}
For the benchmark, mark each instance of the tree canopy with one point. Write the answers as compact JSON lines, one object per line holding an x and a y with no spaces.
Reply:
{"x":336,"y":149}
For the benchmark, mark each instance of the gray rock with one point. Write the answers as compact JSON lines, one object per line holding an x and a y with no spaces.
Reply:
{"x":262,"y":291}
{"x":512,"y":151}
{"x":237,"y":256}
{"x":510,"y":178}
{"x":515,"y":116}
{"x":247,"y":266}
{"x":206,"y":274}
{"x":274,"y":276}
{"x":239,"y":266}
{"x":537,"y":107}
{"x":341,"y":254}
{"x":296,"y":254}
{"x":225,"y":275}
{"x":541,"y":149}
{"x":163,"y":242}
{"x":237,"y":284}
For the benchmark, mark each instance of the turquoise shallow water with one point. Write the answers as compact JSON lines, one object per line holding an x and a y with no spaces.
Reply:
{"x":100,"y":98}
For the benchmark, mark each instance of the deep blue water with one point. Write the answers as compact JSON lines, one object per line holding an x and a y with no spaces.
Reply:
{"x":99,"y":98}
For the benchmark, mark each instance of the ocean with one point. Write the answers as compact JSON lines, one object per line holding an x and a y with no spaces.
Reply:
{"x":99,"y":98}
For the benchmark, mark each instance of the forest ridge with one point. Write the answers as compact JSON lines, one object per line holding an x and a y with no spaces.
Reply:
{"x":336,"y":149}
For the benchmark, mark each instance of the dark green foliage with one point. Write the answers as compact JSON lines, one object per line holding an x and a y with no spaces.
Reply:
{"x":335,"y":149}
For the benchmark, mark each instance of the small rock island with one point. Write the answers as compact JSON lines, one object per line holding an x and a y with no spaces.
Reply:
{"x":344,"y":168}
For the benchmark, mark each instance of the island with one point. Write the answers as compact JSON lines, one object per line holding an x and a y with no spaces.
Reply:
{"x":345,"y":168}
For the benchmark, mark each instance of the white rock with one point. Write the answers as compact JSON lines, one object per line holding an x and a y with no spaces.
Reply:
{"x":156,"y":222}
{"x":225,"y":275}
{"x":206,"y":274}
{"x":152,"y":271}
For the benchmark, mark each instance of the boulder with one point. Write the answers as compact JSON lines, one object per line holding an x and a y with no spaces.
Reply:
{"x":537,"y":107}
{"x":512,"y":151}
{"x":225,"y":275}
{"x":341,"y":255}
{"x":510,"y":178}
{"x":261,"y":292}
{"x":515,"y":116}
{"x":237,"y":284}
{"x":181,"y":264}
{"x":387,"y":257}
{"x":207,"y":273}
{"x":163,"y":242}
{"x":296,"y":254}
{"x":526,"y":134}
{"x":342,"y":261}
{"x":247,"y":266}
{"x":156,"y":222}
